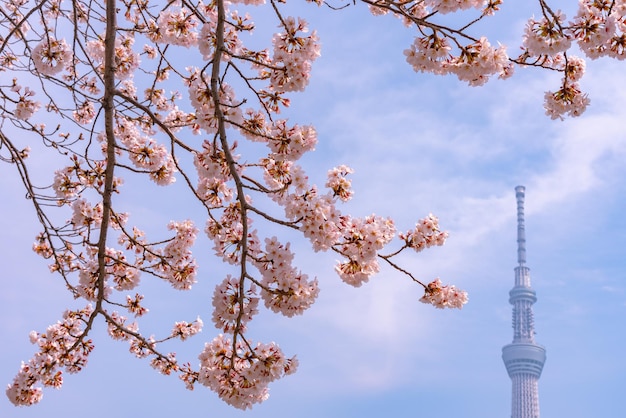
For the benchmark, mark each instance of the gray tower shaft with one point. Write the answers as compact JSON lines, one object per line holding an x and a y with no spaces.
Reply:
{"x":523,"y":358}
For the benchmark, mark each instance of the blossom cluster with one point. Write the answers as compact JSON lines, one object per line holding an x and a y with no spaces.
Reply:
{"x":26,"y":106}
{"x":444,"y":296}
{"x":232,"y":308}
{"x":118,"y":329}
{"x":239,"y":373}
{"x":339,"y":184}
{"x":86,"y":215}
{"x":320,"y":220}
{"x":284,"y":289}
{"x":449,"y":6}
{"x":362,"y":239}
{"x":599,"y":30}
{"x":426,"y":234}
{"x":293,"y":55}
{"x":227,"y":234}
{"x":233,"y":46}
{"x":475,"y":63}
{"x":126,"y":59}
{"x":146,"y":153}
{"x":60,"y":347}
{"x":51,"y":56}
{"x":213,"y":175}
{"x":290,"y":143}
{"x":184,"y":329}
{"x":179,"y":265}
{"x":177,"y":27}
{"x":200,"y":94}
{"x":317,"y":215}
{"x":544,"y":36}
{"x":569,"y":99}
{"x":72,"y":180}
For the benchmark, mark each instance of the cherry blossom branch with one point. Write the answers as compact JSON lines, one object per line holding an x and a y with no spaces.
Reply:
{"x":243,"y":244}
{"x":104,"y":99}
{"x":109,"y":115}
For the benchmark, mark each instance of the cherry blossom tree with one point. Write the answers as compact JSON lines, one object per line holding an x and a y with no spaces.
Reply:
{"x":101,"y":86}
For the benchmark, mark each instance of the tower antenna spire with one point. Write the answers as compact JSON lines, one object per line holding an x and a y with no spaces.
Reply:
{"x":523,"y":358}
{"x":520,"y":194}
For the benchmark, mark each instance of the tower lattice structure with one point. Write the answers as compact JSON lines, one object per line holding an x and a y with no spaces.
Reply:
{"x":523,"y":358}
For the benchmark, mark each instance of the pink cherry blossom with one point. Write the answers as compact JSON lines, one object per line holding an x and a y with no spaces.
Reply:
{"x":85,"y":113}
{"x":146,"y":153}
{"x":240,"y":375}
{"x":546,"y":37}
{"x":60,"y":347}
{"x":595,"y":27}
{"x":478,"y":61}
{"x":233,"y":307}
{"x":184,"y":329}
{"x":284,"y":288}
{"x":567,"y":100}
{"x":362,"y":239}
{"x":293,"y":55}
{"x":339,"y":184}
{"x":202,"y":100}
{"x":430,"y":54}
{"x":51,"y":56}
{"x":575,"y":68}
{"x":290,"y":143}
{"x":426,"y":234}
{"x":178,"y":28}
{"x":179,"y":266}
{"x":449,"y":6}
{"x":126,"y":59}
{"x":26,"y":106}
{"x":442,"y":296}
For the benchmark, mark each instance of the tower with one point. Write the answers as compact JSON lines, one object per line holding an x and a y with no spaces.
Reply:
{"x":523,"y":358}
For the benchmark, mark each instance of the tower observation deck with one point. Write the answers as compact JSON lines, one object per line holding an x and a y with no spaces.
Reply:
{"x":523,"y":358}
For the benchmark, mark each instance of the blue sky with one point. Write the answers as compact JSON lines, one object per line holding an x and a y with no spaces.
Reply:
{"x":418,"y":144}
